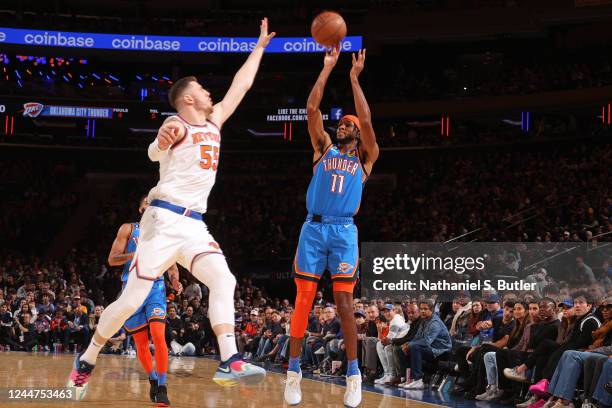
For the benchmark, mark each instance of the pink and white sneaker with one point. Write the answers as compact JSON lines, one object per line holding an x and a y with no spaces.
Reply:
{"x":79,"y":378}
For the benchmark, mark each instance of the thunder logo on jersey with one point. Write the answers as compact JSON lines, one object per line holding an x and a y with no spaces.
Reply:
{"x":336,"y":185}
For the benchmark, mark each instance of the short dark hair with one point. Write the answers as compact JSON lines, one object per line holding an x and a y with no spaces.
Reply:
{"x":584,"y":296}
{"x":509,"y":304}
{"x":177,"y":89}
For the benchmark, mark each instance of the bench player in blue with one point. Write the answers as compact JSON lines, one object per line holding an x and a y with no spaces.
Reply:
{"x":328,"y":239}
{"x":151,"y":315}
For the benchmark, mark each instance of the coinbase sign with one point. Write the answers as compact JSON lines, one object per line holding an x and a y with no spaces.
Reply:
{"x":127,"y":42}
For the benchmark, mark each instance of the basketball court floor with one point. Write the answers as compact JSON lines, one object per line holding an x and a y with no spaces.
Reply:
{"x":119,"y":381}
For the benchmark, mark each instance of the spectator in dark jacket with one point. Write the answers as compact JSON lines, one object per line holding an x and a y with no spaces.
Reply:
{"x":430,"y":342}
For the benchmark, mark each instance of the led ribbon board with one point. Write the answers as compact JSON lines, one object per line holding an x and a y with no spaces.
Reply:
{"x":128,"y":42}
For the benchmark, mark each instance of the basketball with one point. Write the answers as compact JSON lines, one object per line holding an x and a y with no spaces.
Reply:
{"x":328,"y":28}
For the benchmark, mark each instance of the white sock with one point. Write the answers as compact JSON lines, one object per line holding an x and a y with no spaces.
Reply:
{"x":91,"y":354}
{"x":227,"y":345}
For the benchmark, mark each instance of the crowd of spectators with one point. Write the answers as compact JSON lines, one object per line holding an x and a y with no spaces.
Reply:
{"x":386,"y":80}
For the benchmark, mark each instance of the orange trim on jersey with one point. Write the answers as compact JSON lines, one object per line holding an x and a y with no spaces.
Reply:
{"x":298,"y":272}
{"x":159,"y":318}
{"x":141,"y":327}
{"x":315,"y":164}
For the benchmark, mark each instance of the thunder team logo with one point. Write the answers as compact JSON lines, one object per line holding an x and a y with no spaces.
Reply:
{"x":32,"y":109}
{"x":344,"y":267}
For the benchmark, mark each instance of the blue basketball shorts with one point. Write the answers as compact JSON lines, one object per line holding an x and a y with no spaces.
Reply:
{"x":327,"y":246}
{"x":152,"y":309}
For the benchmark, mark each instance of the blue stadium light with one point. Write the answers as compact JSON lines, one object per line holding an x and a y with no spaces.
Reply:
{"x":19,"y":83}
{"x":154,"y":78}
{"x":113,"y":78}
{"x":17,"y":73}
{"x":82,"y":76}
{"x":80,"y":85}
{"x":53,"y":72}
{"x":95,"y":75}
{"x":65,"y":78}
{"x":166,"y":78}
{"x":138,"y":77}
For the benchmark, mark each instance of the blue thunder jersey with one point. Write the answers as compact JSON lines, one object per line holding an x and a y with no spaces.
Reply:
{"x":129,"y":248}
{"x":336,"y":185}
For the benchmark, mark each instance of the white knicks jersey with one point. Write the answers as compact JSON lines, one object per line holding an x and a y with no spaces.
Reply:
{"x":187,"y":172}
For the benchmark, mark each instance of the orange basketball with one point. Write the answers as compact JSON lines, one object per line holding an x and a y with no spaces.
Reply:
{"x":328,"y":28}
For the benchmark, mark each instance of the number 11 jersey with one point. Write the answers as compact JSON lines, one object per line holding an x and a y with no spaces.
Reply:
{"x":337,"y":184}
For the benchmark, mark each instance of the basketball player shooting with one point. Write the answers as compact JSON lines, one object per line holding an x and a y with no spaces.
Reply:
{"x":328,"y":239}
{"x":172,"y":228}
{"x":151,"y":315}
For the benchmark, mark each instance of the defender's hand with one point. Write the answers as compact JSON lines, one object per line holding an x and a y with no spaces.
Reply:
{"x":264,"y":37}
{"x":168,"y":134}
{"x":358,"y":63}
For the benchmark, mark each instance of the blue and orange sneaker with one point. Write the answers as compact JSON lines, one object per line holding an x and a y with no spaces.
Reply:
{"x":79,"y":378}
{"x":236,"y":371}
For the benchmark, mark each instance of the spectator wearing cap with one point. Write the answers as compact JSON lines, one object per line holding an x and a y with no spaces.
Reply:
{"x":430,"y":342}
{"x":493,"y":311}
{"x":567,"y":318}
{"x":384,"y":347}
{"x":246,"y":341}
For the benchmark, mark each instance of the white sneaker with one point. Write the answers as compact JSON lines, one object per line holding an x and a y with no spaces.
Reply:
{"x":293,"y":392}
{"x":415,"y":385}
{"x":382,"y":379}
{"x":352,"y":395}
